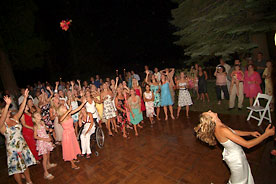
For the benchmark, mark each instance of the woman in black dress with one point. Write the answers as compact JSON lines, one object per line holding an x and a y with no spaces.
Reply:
{"x":202,"y":84}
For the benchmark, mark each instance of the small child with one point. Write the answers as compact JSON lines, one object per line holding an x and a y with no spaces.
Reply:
{"x":44,"y":144}
{"x":237,"y":76}
{"x":149,"y":102}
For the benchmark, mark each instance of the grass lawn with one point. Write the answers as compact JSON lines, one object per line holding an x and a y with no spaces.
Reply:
{"x":213,"y":104}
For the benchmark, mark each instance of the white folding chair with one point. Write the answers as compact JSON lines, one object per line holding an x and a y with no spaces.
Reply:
{"x":259,"y":109}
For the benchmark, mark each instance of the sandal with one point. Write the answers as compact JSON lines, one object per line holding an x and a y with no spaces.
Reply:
{"x":88,"y":156}
{"x":76,"y":168}
{"x":49,"y":177}
{"x":51,"y":165}
{"x":76,"y":161}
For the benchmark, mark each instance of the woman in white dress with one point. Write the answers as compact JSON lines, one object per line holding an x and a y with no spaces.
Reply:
{"x":211,"y":129}
{"x":149,"y":102}
{"x":184,"y":97}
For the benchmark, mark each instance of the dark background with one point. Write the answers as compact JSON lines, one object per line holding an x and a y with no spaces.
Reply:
{"x":104,"y":36}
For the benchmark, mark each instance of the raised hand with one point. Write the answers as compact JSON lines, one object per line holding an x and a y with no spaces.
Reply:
{"x":7,"y":99}
{"x":57,"y":83}
{"x":72,"y":83}
{"x":48,"y":88}
{"x":78,"y":81}
{"x":117,"y":78}
{"x":26,"y":93}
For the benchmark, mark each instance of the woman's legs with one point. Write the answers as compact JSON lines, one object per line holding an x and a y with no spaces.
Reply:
{"x":114,"y":124}
{"x":27,"y":175}
{"x":250,"y":102}
{"x":171,"y":111}
{"x":178,"y":111}
{"x":135,"y":129}
{"x":187,"y":110}
{"x":157,"y":113}
{"x":108,"y":127}
{"x":166,"y":112}
{"x":207,"y":96}
{"x":17,"y":178}
{"x":83,"y":143}
{"x":44,"y":163}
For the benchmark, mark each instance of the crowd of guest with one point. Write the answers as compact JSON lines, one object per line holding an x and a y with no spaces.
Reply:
{"x":51,"y":114}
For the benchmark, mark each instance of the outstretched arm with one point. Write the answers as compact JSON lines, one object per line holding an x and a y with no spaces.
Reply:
{"x":6,"y":110}
{"x":22,"y":106}
{"x":79,"y":108}
{"x":253,"y":142}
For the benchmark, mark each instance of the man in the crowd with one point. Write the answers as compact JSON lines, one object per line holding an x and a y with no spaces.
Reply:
{"x":233,"y":92}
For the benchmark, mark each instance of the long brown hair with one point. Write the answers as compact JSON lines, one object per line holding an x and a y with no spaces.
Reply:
{"x":205,"y":130}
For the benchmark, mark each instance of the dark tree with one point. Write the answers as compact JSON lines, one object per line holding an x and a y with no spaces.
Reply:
{"x":20,"y":47}
{"x":209,"y":28}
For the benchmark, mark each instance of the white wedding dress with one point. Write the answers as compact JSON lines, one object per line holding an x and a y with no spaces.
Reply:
{"x":235,"y":158}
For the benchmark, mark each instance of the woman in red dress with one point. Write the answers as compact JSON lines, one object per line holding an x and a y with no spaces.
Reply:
{"x":28,"y":130}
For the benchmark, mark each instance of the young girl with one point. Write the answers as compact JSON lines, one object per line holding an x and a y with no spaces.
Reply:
{"x":44,"y":144}
{"x":70,"y":145}
{"x":237,"y":76}
{"x":149,"y":101}
{"x":86,"y":120}
{"x":184,"y":97}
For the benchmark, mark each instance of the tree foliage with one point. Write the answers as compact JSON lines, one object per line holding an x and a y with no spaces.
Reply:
{"x":209,"y":28}
{"x":19,"y":40}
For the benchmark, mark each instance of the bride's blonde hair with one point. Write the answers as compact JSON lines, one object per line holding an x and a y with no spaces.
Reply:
{"x":205,"y":129}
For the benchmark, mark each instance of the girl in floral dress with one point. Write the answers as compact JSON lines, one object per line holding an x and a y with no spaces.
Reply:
{"x":149,"y":102}
{"x":44,"y":144}
{"x":120,"y":103}
{"x":19,"y":156}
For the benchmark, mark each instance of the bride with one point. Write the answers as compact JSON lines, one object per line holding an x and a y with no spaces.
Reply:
{"x":211,"y":129}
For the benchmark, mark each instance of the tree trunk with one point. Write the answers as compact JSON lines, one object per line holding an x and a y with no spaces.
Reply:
{"x":261,"y":40}
{"x":6,"y":73}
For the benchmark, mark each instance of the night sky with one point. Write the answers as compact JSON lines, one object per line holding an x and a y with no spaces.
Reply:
{"x":105,"y":36}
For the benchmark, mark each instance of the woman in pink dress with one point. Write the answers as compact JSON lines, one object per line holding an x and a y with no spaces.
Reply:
{"x":252,"y":81}
{"x":70,"y":145}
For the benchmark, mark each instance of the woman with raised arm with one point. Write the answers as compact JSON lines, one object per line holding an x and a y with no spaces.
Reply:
{"x":19,"y":156}
{"x":120,"y":103}
{"x":169,"y":73}
{"x":54,"y":118}
{"x":70,"y":145}
{"x":211,"y":129}
{"x":166,"y":98}
{"x":155,"y":88}
{"x":44,"y":105}
{"x":28,"y":130}
{"x":109,"y":111}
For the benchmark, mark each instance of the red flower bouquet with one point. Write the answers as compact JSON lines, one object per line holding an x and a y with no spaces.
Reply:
{"x":64,"y":24}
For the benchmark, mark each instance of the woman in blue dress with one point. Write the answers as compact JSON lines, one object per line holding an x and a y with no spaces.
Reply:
{"x":155,"y":88}
{"x":166,"y":98}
